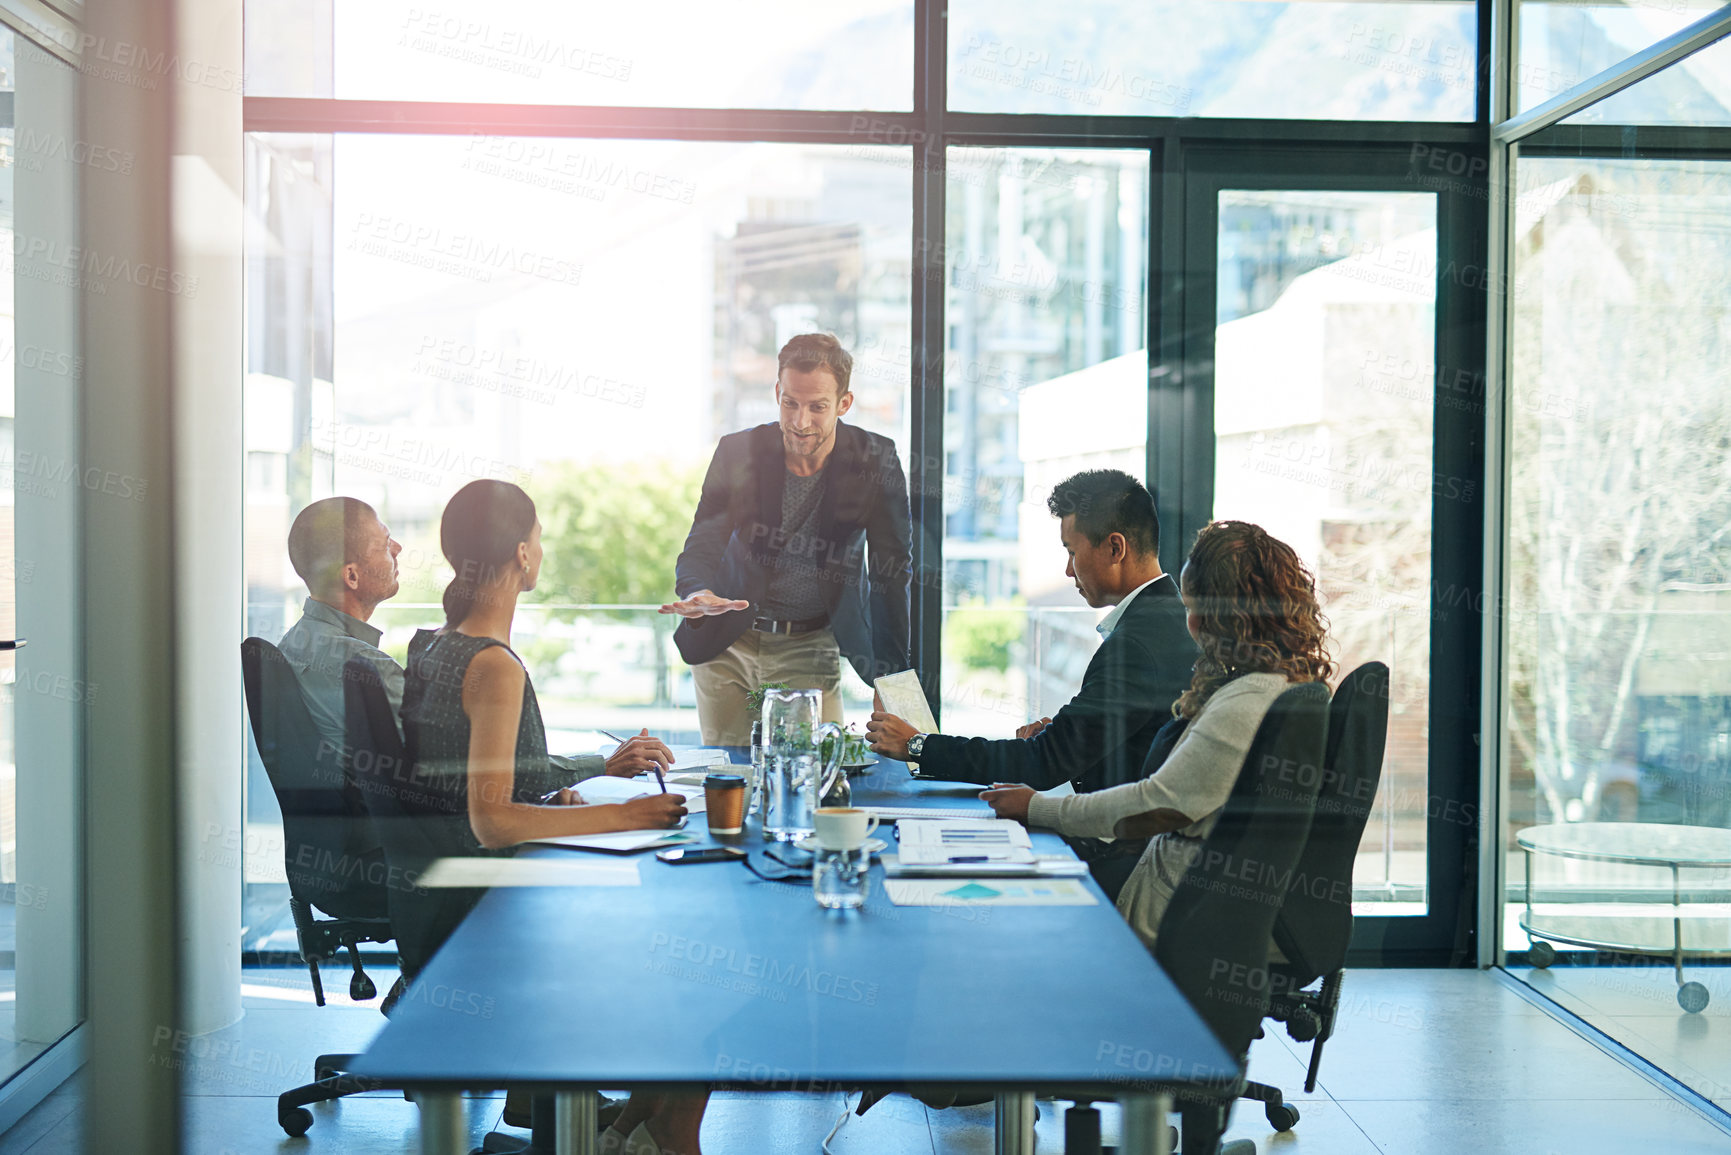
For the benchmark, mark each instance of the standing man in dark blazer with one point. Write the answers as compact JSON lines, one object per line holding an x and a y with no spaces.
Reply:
{"x":800,"y":552}
{"x":1103,"y":736}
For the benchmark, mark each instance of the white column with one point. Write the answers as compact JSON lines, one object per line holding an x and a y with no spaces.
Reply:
{"x":209,"y":467}
{"x":130,"y":602}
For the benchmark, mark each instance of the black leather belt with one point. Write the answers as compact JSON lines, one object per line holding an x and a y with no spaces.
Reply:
{"x":772,"y":626}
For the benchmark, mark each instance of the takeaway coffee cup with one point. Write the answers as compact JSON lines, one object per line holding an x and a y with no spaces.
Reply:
{"x":724,"y":800}
{"x":843,"y":827}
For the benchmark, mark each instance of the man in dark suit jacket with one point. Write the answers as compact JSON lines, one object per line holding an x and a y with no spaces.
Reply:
{"x":800,"y":552}
{"x":1103,"y":736}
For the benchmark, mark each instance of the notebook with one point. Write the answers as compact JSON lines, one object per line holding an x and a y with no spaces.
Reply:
{"x":896,"y":813}
{"x":619,"y":841}
{"x":603,"y":788}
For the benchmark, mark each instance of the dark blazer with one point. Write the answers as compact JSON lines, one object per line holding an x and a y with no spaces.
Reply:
{"x":1103,"y":735}
{"x":864,"y":552}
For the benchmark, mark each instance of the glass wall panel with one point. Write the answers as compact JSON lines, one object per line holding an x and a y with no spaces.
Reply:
{"x":288,"y":387}
{"x":14,"y":1053}
{"x":44,"y":694}
{"x":586,"y":318}
{"x":676,"y":53}
{"x":1563,"y":42}
{"x":1619,"y":602}
{"x":1046,"y":374}
{"x":1694,"y":91}
{"x":1324,"y":397}
{"x":1237,"y":58}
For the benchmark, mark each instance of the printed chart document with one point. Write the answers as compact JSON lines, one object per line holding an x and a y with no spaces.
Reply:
{"x":988,"y":892}
{"x":467,"y":872}
{"x":928,"y":842}
{"x":904,"y":697}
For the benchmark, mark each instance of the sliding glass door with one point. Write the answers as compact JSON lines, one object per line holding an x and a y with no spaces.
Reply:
{"x":1332,"y":389}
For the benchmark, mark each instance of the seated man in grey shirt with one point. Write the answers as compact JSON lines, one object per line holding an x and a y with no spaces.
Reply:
{"x":348,"y":560}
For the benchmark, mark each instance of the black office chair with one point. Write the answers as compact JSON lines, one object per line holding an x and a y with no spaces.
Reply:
{"x":419,"y":819}
{"x":1314,"y":927}
{"x":330,"y":852}
{"x":1214,"y":936}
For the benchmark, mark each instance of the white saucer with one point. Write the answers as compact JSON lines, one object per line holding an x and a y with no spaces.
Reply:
{"x":871,"y":845}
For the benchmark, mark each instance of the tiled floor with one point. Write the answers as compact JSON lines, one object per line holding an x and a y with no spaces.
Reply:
{"x":1637,"y":1005}
{"x":1423,"y":1062}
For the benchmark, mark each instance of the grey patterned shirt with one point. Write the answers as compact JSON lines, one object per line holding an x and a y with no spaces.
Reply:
{"x":795,"y":590}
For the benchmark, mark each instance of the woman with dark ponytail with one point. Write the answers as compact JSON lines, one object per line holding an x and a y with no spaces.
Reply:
{"x":473,"y":733}
{"x":470,"y":717}
{"x":1253,"y":613}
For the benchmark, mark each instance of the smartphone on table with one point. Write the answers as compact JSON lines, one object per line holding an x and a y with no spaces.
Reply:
{"x":683,"y":855}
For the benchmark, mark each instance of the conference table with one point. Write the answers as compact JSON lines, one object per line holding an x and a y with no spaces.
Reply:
{"x":708,"y":976}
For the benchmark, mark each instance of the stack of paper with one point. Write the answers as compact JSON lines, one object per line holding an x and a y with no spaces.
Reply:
{"x":895,"y":813}
{"x":1043,"y":866}
{"x":533,"y":871}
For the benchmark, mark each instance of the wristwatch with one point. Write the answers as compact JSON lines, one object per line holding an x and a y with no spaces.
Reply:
{"x":915,"y":744}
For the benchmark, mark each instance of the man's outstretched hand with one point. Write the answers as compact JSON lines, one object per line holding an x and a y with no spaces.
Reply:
{"x":705,"y":604}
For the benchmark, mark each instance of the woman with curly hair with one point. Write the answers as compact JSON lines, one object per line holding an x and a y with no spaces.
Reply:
{"x":1254,"y":614}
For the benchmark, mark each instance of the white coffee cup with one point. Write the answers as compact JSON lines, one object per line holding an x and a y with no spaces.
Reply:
{"x":843,"y":827}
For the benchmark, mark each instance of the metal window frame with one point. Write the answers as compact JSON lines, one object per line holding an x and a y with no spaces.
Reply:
{"x":1513,"y":136}
{"x":930,"y":128}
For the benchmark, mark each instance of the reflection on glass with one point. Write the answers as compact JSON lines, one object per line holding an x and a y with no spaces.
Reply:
{"x":1045,"y":374}
{"x":288,"y":387}
{"x":1562,"y":44}
{"x":1694,"y":91}
{"x":1324,"y":392}
{"x":13,"y":1052}
{"x":584,"y":317}
{"x":756,"y":54}
{"x":1235,"y":58}
{"x":1619,"y":614}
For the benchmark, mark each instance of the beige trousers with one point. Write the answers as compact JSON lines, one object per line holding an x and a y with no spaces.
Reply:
{"x":808,"y":661}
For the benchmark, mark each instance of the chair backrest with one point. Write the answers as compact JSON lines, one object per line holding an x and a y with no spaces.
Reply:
{"x":417,"y":818}
{"x":1314,"y":928}
{"x":1214,"y":936}
{"x":326,"y":838}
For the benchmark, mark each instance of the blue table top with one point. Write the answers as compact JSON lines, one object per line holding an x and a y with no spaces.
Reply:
{"x":706,"y":974}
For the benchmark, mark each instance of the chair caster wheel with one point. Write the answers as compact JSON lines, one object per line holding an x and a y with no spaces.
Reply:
{"x":1282,"y":1116}
{"x":361,"y":988}
{"x":1541,"y":954}
{"x":1692,"y":997}
{"x":296,"y":1122}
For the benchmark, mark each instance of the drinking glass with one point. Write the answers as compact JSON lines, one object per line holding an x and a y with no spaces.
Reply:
{"x":841,"y":879}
